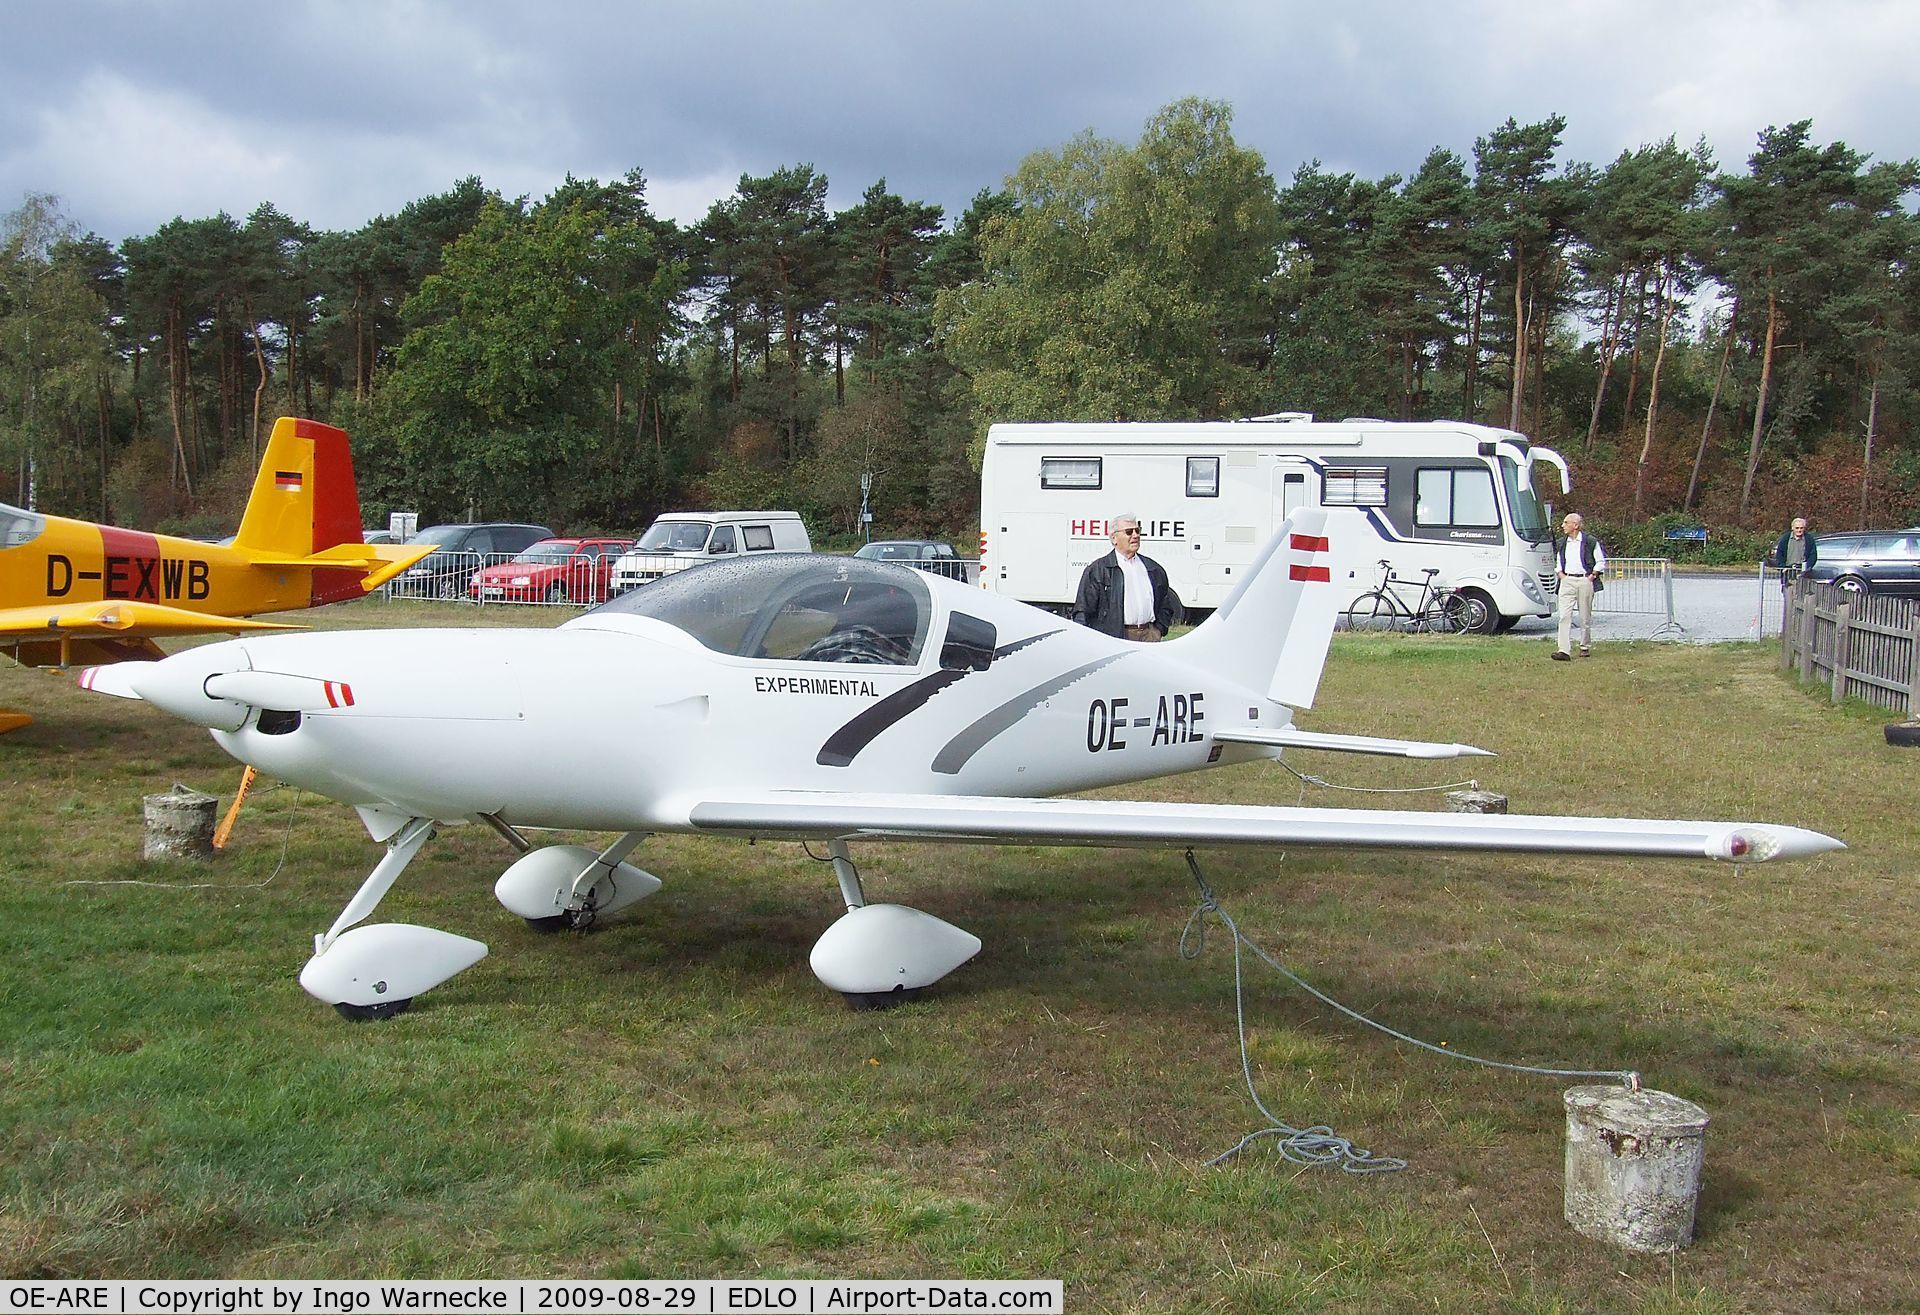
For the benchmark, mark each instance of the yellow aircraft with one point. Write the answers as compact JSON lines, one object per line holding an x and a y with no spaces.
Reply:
{"x":73,"y":591}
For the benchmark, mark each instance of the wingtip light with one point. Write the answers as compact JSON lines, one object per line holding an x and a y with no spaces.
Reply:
{"x":1758,"y":844}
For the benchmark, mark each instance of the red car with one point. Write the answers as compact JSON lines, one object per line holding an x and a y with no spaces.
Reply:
{"x":552,"y":571}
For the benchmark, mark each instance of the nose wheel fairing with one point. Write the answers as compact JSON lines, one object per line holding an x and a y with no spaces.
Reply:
{"x":374,"y":972}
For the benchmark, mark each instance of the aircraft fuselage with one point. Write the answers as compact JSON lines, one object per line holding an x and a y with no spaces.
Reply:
{"x":622,"y":723}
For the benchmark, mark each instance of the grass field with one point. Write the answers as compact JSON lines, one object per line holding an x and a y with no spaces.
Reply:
{"x":674,"y":1095}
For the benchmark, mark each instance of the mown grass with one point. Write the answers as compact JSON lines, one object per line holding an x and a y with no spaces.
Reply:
{"x":675,"y":1095}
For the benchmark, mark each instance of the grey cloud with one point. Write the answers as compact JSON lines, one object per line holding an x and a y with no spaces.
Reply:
{"x":378,"y":104}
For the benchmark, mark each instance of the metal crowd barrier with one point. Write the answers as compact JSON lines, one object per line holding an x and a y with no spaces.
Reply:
{"x":1640,"y":586}
{"x":964,"y":569}
{"x":1770,"y":609}
{"x":449,"y":577}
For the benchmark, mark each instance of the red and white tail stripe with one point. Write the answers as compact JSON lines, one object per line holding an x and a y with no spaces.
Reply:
{"x":339,"y":694}
{"x":1311,"y":545}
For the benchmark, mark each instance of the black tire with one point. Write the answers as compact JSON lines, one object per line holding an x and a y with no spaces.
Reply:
{"x":557,"y":592}
{"x":1477,"y":614}
{"x":868,"y":1001}
{"x":1373,"y":613}
{"x":1853,"y":584}
{"x":375,"y":1013}
{"x":1905,"y":734}
{"x":1505,"y":624}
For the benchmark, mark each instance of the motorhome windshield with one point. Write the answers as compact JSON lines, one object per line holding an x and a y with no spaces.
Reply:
{"x":1529,"y":516}
{"x":674,"y":536}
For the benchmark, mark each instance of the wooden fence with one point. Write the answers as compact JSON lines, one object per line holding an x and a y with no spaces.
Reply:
{"x":1861,"y":647}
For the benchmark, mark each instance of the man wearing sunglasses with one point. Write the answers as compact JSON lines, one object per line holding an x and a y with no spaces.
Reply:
{"x":1125,"y":594}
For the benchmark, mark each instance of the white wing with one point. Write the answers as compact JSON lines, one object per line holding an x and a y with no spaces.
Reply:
{"x":797,"y":814}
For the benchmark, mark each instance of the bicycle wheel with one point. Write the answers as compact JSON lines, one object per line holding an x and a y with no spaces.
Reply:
{"x":1373,"y":613}
{"x":1476,"y":615}
{"x":1442,"y":616}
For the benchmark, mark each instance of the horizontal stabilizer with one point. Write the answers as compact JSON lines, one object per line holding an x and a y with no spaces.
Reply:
{"x":796,"y":814}
{"x":379,"y":561}
{"x":1290,"y":737}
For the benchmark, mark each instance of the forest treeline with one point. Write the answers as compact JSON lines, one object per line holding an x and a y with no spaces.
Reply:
{"x":1720,"y":346}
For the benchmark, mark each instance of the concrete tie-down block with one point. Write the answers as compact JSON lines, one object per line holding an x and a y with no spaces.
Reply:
{"x":179,"y":824}
{"x":1633,"y":1166}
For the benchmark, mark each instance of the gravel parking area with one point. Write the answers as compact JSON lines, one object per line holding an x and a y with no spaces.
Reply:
{"x":1707,"y":609}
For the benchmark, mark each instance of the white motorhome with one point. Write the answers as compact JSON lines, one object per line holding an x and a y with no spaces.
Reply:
{"x":1462,"y":498}
{"x":679,"y":539}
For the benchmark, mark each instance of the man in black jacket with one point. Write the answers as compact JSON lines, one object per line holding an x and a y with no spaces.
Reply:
{"x":1125,"y":594}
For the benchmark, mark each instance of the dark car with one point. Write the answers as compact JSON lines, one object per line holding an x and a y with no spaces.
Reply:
{"x":462,"y":550}
{"x":1870,"y":562}
{"x":929,"y":555}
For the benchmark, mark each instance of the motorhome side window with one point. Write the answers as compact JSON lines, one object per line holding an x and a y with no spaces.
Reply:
{"x":722,"y":540}
{"x":1457,"y":496}
{"x":1203,"y":477}
{"x":758,"y":538}
{"x":1355,"y":486}
{"x":1069,"y":472}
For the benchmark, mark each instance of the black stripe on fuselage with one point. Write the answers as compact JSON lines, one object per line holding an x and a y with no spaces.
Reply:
{"x":845,"y":744}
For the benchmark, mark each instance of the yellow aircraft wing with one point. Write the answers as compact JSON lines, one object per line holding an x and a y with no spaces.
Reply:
{"x":117,"y":616}
{"x":66,"y":634}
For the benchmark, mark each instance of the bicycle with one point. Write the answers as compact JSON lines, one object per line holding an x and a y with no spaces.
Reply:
{"x":1439,"y":608}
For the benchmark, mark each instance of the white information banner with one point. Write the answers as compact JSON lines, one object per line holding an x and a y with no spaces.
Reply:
{"x":524,"y":1296}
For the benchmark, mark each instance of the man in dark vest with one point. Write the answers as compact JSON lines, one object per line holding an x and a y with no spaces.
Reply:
{"x":1125,"y":594}
{"x":1580,"y":560}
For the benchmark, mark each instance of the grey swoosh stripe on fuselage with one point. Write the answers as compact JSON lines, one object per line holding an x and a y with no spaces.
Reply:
{"x":970,"y":741}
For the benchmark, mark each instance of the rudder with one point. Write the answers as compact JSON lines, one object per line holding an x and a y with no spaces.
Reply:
{"x":304,"y":499}
{"x":1273,"y":630}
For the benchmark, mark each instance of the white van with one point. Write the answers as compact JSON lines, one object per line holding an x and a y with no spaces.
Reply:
{"x":680,"y":539}
{"x":1460,"y":498}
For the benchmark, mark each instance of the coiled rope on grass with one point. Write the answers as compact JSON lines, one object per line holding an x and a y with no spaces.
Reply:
{"x":1320,"y":1144}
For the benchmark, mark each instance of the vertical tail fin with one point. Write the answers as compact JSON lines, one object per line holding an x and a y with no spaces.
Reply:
{"x":1272,"y":632}
{"x":304,"y":500}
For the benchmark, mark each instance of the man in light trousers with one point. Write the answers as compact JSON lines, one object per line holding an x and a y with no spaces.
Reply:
{"x":1580,"y":560}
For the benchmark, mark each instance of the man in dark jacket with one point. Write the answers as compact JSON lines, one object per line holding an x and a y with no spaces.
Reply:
{"x":1796,"y":551}
{"x":1125,"y":594}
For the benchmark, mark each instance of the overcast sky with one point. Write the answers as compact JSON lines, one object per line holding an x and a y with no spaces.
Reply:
{"x":134,"y":112}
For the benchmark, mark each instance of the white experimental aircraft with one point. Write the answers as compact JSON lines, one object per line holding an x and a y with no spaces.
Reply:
{"x":820,"y":698}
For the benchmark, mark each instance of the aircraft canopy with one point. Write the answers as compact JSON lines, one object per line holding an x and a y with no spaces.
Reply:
{"x":18,"y":526}
{"x":801,"y":607}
